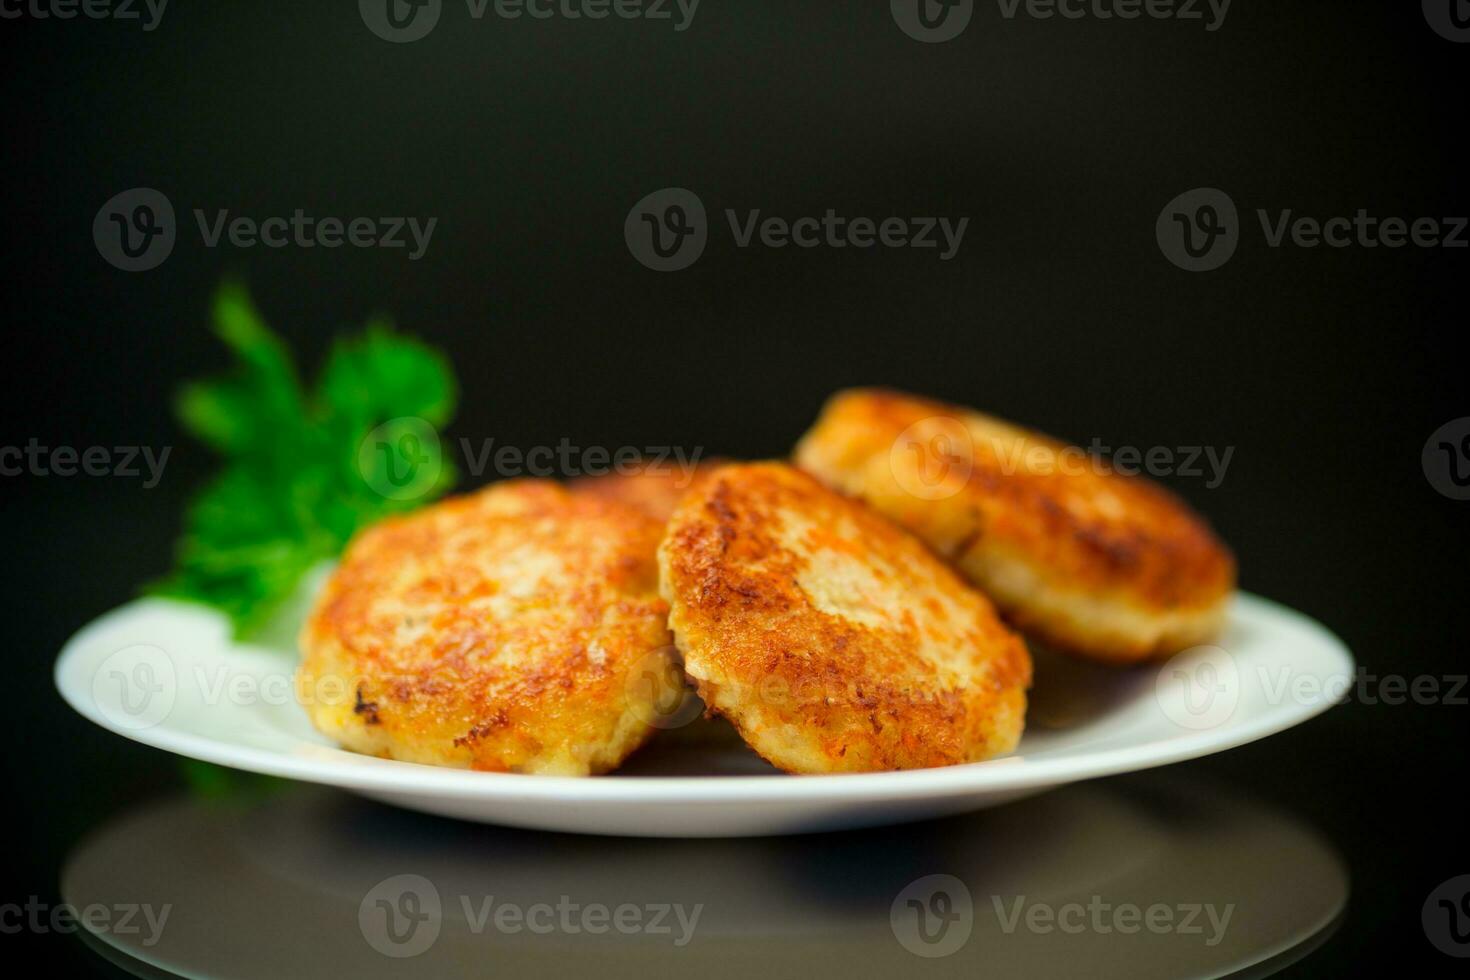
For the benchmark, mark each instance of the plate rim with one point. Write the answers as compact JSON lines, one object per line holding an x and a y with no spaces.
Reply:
{"x":1013,"y":772}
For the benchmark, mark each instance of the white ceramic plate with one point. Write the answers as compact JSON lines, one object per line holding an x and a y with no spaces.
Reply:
{"x":167,"y":674}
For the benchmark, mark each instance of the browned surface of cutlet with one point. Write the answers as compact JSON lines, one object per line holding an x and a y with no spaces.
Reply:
{"x":1111,"y":566}
{"x":654,"y":487}
{"x":833,"y":640}
{"x":496,"y":631}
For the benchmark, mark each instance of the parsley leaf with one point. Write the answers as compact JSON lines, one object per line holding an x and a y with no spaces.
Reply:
{"x":300,"y":474}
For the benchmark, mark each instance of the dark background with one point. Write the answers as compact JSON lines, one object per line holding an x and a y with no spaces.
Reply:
{"x":1327,"y":369}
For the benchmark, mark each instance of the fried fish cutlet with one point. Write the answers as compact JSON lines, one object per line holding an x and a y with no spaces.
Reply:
{"x":1108,"y":566}
{"x":494,"y":631}
{"x":833,"y":640}
{"x":654,"y":488}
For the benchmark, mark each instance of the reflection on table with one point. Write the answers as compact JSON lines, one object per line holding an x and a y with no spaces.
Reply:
{"x":1152,"y":875}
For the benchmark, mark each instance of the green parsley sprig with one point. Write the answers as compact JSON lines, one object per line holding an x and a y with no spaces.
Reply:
{"x":300,"y":474}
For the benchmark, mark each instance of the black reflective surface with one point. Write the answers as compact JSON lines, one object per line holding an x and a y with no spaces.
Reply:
{"x":1149,"y":876}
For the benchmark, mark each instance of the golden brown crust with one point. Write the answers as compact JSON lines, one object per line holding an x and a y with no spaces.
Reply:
{"x":653,"y":487}
{"x":495,"y":631}
{"x":1110,"y":566}
{"x":833,"y":640}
